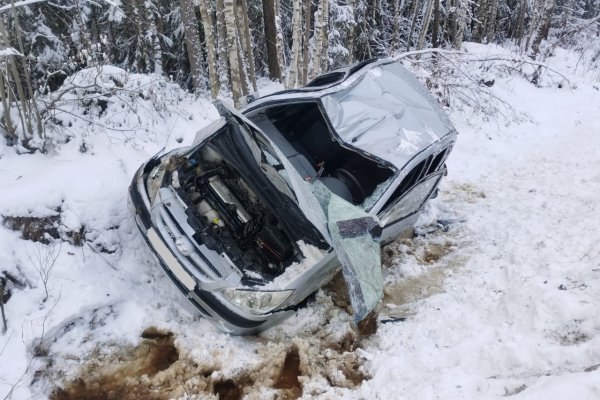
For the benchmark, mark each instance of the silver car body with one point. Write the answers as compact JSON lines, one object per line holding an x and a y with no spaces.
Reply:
{"x":377,"y":115}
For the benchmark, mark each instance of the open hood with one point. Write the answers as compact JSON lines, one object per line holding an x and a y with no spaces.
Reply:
{"x":351,"y":232}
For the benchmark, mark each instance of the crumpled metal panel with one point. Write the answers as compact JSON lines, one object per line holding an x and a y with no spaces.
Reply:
{"x":387,"y":113}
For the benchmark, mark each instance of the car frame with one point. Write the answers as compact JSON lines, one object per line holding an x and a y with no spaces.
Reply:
{"x":387,"y":180}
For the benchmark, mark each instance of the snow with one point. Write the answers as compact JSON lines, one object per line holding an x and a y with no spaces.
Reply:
{"x":311,"y":254}
{"x":503,"y":303}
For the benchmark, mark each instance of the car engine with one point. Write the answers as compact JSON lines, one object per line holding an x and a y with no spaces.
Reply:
{"x":232,"y":219}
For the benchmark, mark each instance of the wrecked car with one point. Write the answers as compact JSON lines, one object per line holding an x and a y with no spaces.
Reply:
{"x":269,"y":203}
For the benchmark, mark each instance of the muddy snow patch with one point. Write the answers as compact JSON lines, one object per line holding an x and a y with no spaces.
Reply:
{"x":128,"y":373}
{"x":173,"y":364}
{"x":417,"y":266}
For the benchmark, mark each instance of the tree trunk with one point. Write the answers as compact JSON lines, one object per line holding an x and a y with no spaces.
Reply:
{"x":396,"y":26}
{"x":242,"y":65}
{"x":461,"y":20}
{"x":490,"y":33}
{"x":425,"y":25}
{"x":307,"y":17}
{"x":533,"y":23}
{"x":24,"y":110}
{"x":279,"y":30}
{"x":351,"y":32}
{"x":156,"y":48}
{"x":321,"y":49}
{"x":292,"y":80}
{"x":269,"y":11}
{"x":542,"y":31}
{"x":435,"y":30}
{"x":6,"y":103}
{"x":325,"y":40}
{"x":412,"y":25}
{"x":223,"y":62}
{"x":245,"y":29}
{"x":192,"y":42}
{"x":480,"y":18}
{"x":520,"y":26}
{"x":317,"y":45}
{"x":27,"y":75}
{"x":450,"y":23}
{"x":232,"y":51}
{"x":211,"y":47}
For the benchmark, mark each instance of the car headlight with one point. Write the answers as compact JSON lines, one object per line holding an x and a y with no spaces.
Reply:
{"x":256,"y":302}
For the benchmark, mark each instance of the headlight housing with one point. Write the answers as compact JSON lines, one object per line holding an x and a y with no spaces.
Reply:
{"x":254,"y":301}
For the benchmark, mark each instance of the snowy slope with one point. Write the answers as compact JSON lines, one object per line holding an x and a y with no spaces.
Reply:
{"x":503,"y":303}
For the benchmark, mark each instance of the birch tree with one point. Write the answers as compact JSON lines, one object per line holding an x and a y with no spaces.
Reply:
{"x":321,"y":49}
{"x":242,"y":64}
{"x":416,"y":12}
{"x":306,"y":39}
{"x":223,"y":59}
{"x":22,"y":102}
{"x":425,"y":25}
{"x":232,"y":51}
{"x":292,"y":80}
{"x":247,"y":41}
{"x":211,"y":47}
{"x":192,"y":43}
{"x":4,"y":90}
{"x":544,"y":27}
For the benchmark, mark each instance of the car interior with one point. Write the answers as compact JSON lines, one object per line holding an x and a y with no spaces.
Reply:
{"x":301,"y":131}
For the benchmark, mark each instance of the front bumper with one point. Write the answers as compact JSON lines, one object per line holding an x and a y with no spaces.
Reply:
{"x":210,"y":304}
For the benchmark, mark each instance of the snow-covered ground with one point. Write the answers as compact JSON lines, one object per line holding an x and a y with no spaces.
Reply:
{"x":502,"y":303}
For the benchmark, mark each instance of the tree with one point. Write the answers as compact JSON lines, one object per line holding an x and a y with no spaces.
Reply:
{"x":223,"y":55}
{"x":211,"y":47}
{"x":247,"y":42}
{"x":192,"y":43}
{"x":425,"y":25}
{"x":306,"y":39}
{"x":321,"y":49}
{"x":232,"y":51}
{"x":270,"y":27}
{"x":292,"y":80}
{"x":544,"y":27}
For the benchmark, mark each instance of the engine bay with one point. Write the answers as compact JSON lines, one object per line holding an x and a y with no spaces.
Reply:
{"x":232,"y":218}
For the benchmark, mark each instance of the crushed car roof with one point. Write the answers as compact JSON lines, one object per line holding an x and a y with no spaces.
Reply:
{"x":381,"y":109}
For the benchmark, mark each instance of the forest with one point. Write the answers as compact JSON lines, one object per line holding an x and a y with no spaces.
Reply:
{"x":220,"y":48}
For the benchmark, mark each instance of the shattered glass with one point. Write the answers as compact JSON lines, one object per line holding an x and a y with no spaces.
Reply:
{"x":359,"y":253}
{"x":370,"y":201}
{"x":411,"y":201}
